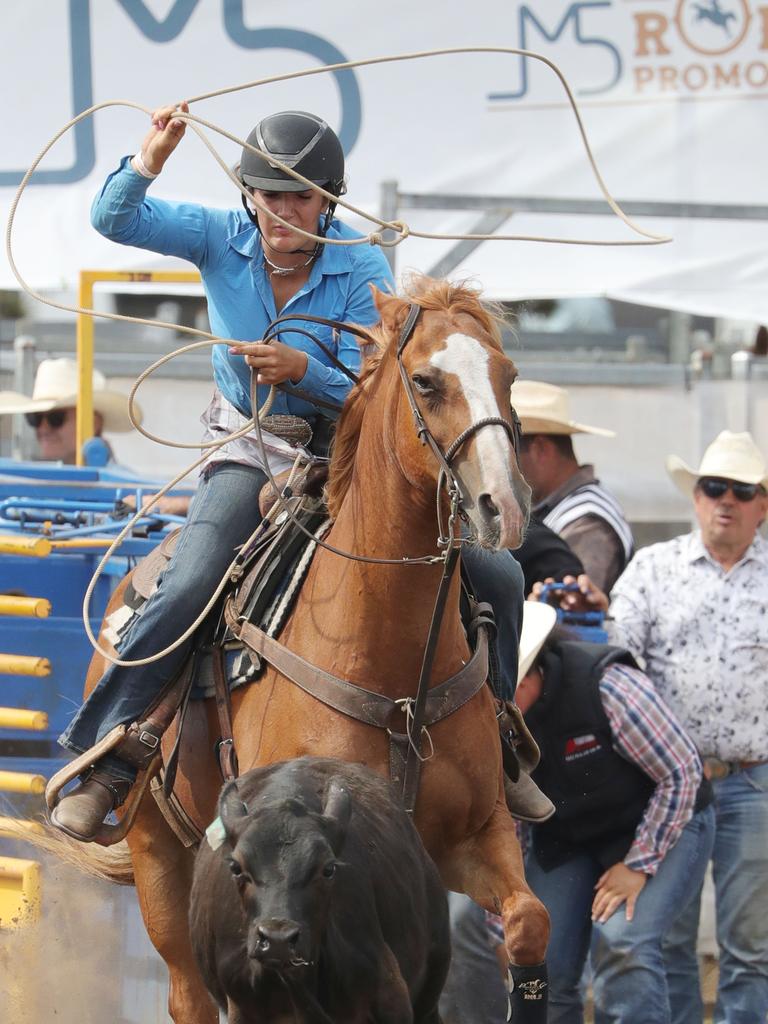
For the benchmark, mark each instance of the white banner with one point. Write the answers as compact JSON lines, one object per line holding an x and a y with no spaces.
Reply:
{"x":672,"y":93}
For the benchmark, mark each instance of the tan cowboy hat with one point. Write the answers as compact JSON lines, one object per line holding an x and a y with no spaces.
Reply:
{"x":538,"y":622}
{"x":56,"y":385}
{"x":543,"y":409}
{"x":730,"y":456}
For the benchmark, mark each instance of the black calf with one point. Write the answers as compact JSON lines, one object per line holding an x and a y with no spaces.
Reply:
{"x":320,"y":904}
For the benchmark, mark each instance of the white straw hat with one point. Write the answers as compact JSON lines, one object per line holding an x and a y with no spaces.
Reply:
{"x":56,"y":386}
{"x":538,"y":622}
{"x":543,"y":409}
{"x":730,"y":456}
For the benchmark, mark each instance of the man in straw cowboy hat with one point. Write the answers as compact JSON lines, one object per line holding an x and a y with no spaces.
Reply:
{"x":694,"y":608}
{"x":568,"y":497}
{"x":52,"y":408}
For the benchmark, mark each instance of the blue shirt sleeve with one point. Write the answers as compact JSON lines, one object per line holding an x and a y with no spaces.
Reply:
{"x":124,"y":213}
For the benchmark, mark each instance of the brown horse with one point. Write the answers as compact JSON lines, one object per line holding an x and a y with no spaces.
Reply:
{"x":368,"y":623}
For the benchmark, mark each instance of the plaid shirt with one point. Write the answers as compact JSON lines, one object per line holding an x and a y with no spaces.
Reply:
{"x":222,"y":418}
{"x":648,"y":734}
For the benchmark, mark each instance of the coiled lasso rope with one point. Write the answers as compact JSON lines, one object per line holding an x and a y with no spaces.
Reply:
{"x":400,"y":229}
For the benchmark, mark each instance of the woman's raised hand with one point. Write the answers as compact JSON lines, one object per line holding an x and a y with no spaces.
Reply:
{"x":163,"y":137}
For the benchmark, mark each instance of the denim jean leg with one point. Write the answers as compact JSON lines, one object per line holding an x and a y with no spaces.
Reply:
{"x":498,"y":579}
{"x":474,"y":990}
{"x":740,"y":871}
{"x":566,"y":891}
{"x":681,"y":961}
{"x":223,"y":515}
{"x":628,"y":969}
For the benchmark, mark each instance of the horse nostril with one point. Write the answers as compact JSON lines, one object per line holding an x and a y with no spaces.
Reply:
{"x":487,"y":506}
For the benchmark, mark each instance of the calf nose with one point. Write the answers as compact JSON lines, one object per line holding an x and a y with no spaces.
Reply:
{"x":276,"y":941}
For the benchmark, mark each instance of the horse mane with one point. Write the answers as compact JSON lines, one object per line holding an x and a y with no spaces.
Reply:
{"x":430,"y":294}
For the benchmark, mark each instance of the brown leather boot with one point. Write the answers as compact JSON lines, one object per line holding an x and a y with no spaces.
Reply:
{"x":82,"y":811}
{"x":525,"y":801}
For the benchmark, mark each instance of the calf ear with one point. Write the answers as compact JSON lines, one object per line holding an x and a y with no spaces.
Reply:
{"x":337,"y":808}
{"x":232,"y":810}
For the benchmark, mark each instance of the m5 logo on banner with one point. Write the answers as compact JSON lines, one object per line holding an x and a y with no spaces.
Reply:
{"x":662,"y":47}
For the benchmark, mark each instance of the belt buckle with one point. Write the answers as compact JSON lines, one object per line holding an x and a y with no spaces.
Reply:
{"x":717,"y":768}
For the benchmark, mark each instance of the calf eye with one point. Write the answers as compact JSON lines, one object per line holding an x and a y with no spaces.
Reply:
{"x":329,"y":870}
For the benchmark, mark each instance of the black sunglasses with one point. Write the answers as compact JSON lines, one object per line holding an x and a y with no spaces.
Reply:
{"x":55,"y":418}
{"x":716,"y":487}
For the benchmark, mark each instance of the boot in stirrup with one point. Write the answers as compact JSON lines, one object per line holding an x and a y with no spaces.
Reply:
{"x":81,"y":812}
{"x":525,"y":801}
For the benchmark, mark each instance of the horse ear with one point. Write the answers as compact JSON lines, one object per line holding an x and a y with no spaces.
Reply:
{"x":337,"y":809}
{"x":392,"y":310}
{"x":232,"y":810}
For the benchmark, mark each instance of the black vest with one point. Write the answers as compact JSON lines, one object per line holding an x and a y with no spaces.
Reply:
{"x":599,"y":796}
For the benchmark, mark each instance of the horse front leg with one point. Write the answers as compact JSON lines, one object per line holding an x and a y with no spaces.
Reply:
{"x":488,"y":867}
{"x":163,"y":872}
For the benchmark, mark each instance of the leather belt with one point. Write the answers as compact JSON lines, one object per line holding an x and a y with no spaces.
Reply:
{"x":719,"y":769}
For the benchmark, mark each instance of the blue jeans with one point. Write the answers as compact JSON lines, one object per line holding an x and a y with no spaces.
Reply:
{"x":223,"y":514}
{"x":740,"y":872}
{"x":474,"y":989}
{"x":497,"y":578}
{"x":628,"y":971}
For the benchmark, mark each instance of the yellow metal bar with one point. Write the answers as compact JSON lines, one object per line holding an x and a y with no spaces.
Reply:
{"x":12,"y":544}
{"x":29,"y":607}
{"x":141,"y":276}
{"x":21,"y":782}
{"x":19,"y":892}
{"x":11,"y":827}
{"x":88,"y":278}
{"x":24,"y":665}
{"x":23,"y":718}
{"x":84,"y":422}
{"x":76,"y":543}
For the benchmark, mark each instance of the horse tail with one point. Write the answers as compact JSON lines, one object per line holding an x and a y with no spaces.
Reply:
{"x":110,"y":863}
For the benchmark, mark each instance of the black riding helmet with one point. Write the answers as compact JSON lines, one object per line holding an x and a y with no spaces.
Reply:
{"x":303,"y":142}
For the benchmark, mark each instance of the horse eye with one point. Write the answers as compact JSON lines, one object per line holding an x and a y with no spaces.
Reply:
{"x":234,"y":867}
{"x":329,"y":870}
{"x":422,"y":384}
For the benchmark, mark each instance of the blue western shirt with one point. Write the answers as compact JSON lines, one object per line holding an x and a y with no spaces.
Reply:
{"x":226,"y":248}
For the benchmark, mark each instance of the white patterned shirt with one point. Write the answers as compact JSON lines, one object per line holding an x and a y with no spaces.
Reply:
{"x":703,"y":635}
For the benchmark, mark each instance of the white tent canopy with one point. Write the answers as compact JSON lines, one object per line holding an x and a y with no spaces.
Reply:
{"x":675,"y":115}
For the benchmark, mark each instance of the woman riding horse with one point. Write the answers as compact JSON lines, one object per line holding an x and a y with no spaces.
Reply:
{"x":253,"y":268}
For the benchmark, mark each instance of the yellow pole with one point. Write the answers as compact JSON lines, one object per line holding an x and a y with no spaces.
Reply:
{"x":21,"y":782}
{"x":23,"y":718}
{"x":24,"y":665}
{"x":12,"y":544}
{"x":19,"y":892}
{"x":29,"y":607}
{"x":84,"y":423}
{"x":13,"y":827}
{"x":76,"y":543}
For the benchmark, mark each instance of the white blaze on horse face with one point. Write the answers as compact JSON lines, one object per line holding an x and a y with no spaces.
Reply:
{"x":469,"y":360}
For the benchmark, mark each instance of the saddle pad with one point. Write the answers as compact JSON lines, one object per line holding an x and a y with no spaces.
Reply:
{"x":271,"y":587}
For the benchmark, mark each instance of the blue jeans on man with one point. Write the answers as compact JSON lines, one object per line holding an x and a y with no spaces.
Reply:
{"x":223,"y":514}
{"x":627,"y":965}
{"x":740,"y":873}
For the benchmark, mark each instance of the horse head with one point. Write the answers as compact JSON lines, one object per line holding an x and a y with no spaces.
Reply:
{"x":454,"y":369}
